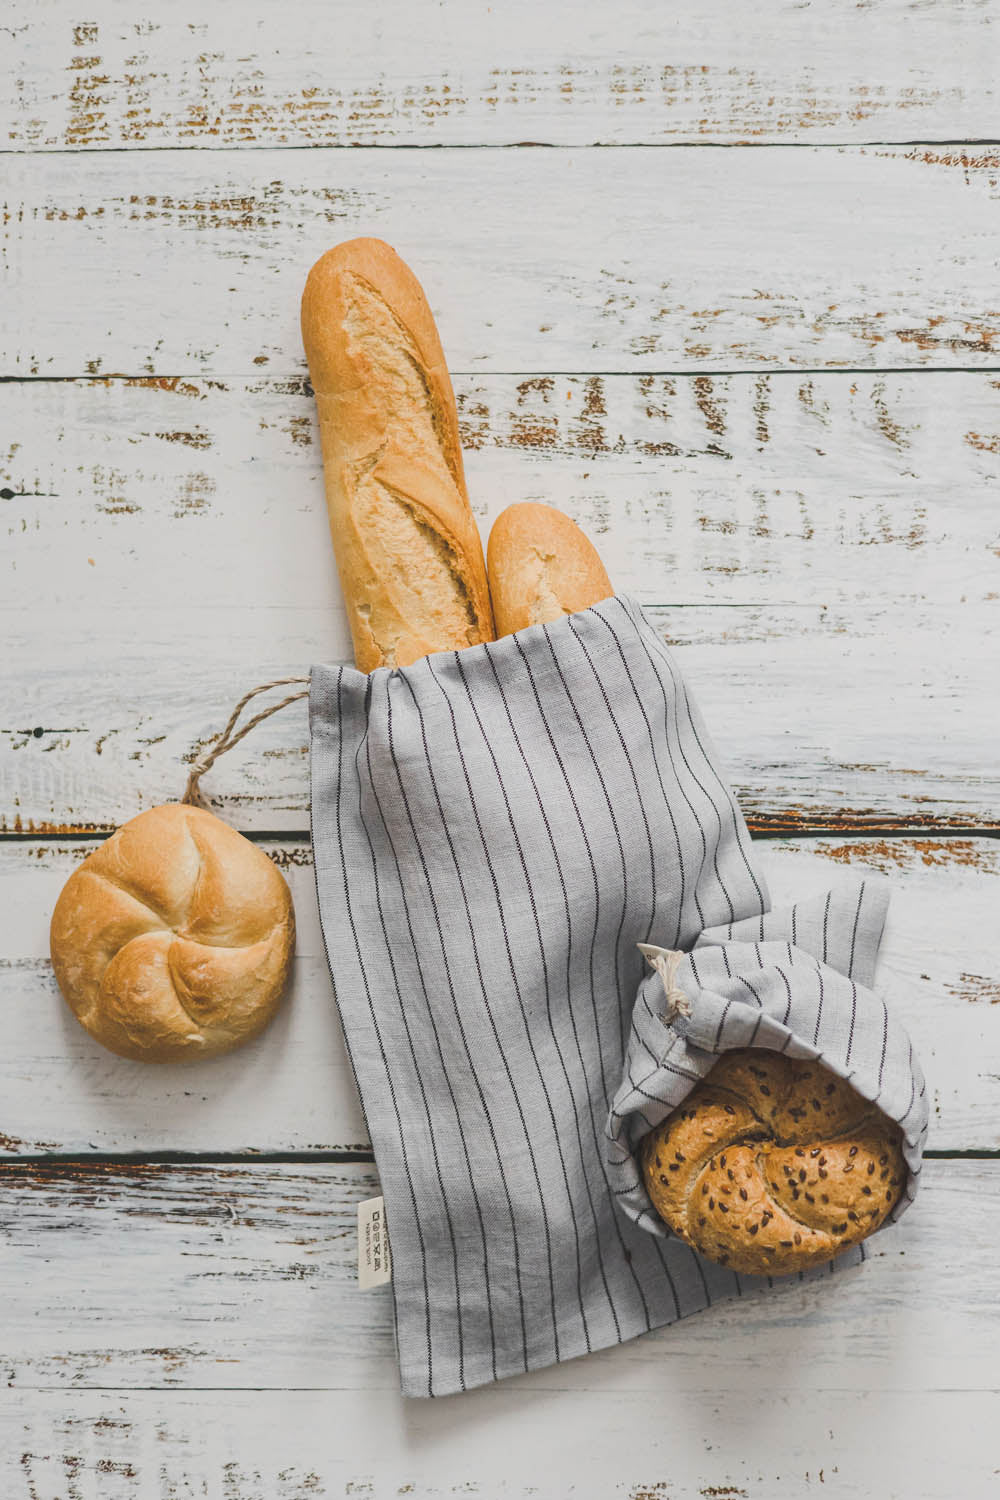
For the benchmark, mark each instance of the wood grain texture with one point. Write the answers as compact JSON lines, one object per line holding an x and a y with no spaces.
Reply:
{"x":823,"y":718}
{"x":242,"y":1277}
{"x":326,"y":72}
{"x":292,"y":1089}
{"x":743,"y":489}
{"x":191,"y":262}
{"x":845,"y":523}
{"x":826,"y":550}
{"x":513,"y":1441}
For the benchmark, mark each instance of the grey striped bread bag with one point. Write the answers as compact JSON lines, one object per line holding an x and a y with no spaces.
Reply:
{"x":495,"y":832}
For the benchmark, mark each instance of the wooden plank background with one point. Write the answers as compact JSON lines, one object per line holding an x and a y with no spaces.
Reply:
{"x":767,"y":381}
{"x":415,"y":72}
{"x":292,"y":1089}
{"x":776,"y":524}
{"x":710,"y":259}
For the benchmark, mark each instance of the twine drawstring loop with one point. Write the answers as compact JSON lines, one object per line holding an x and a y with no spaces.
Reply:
{"x":231,"y":736}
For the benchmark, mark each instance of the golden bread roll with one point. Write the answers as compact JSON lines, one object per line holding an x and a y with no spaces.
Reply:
{"x":408,"y":549}
{"x":174,"y":939}
{"x":541,"y":566}
{"x":772,"y":1165}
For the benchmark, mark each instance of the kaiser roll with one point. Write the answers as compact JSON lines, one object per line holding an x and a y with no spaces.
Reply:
{"x":173,"y":939}
{"x":771,"y":1165}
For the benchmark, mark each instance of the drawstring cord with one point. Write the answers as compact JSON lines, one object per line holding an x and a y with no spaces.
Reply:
{"x":227,"y":739}
{"x":666,"y":962}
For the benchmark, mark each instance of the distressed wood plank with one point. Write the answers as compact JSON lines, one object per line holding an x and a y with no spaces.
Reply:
{"x":509,"y":1442}
{"x":328,"y":73}
{"x":292,"y":1090}
{"x":177,"y":262}
{"x":245,"y":1276}
{"x":743,"y":489}
{"x":836,"y":511}
{"x":824,"y":718}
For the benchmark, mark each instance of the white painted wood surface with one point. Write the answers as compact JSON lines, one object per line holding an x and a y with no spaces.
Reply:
{"x":829,"y":539}
{"x":793,"y":462}
{"x":515,"y":1441}
{"x":331,"y":72}
{"x":190,"y":262}
{"x":239,"y":1276}
{"x":232,"y":1282}
{"x":292,"y":1089}
{"x":747,"y":489}
{"x":823,"y":718}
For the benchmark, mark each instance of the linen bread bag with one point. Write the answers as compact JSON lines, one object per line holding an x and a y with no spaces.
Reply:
{"x":498,"y":826}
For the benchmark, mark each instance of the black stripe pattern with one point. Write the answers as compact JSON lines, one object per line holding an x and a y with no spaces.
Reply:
{"x":495,"y":830}
{"x":748,"y":986}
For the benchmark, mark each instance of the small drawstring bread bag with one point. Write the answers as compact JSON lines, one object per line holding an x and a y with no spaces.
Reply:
{"x":496,"y":831}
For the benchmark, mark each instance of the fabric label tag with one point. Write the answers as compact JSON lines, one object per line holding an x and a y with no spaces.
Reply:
{"x":374,"y":1258}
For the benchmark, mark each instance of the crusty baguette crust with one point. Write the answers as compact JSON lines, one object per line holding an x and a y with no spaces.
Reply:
{"x":773,"y":1165}
{"x":174,"y":939}
{"x":407,"y":546}
{"x":541,"y":566}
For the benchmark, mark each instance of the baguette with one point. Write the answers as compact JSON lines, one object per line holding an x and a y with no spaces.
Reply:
{"x":407,"y":546}
{"x":541,"y":566}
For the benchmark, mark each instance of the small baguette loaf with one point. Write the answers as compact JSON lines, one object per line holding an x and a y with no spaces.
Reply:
{"x":541,"y":566}
{"x":407,"y":546}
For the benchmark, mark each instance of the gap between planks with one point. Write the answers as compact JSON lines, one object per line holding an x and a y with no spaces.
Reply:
{"x":498,"y":146}
{"x":296,"y":836}
{"x":296,"y":377}
{"x":73,"y":1162}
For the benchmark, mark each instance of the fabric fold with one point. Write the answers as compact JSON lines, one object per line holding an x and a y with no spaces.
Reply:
{"x":795,"y":981}
{"x":495,"y":830}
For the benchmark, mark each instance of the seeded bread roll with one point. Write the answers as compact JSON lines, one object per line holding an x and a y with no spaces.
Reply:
{"x":408,"y":549}
{"x":541,"y":566}
{"x":174,"y":939}
{"x":772,"y":1165}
